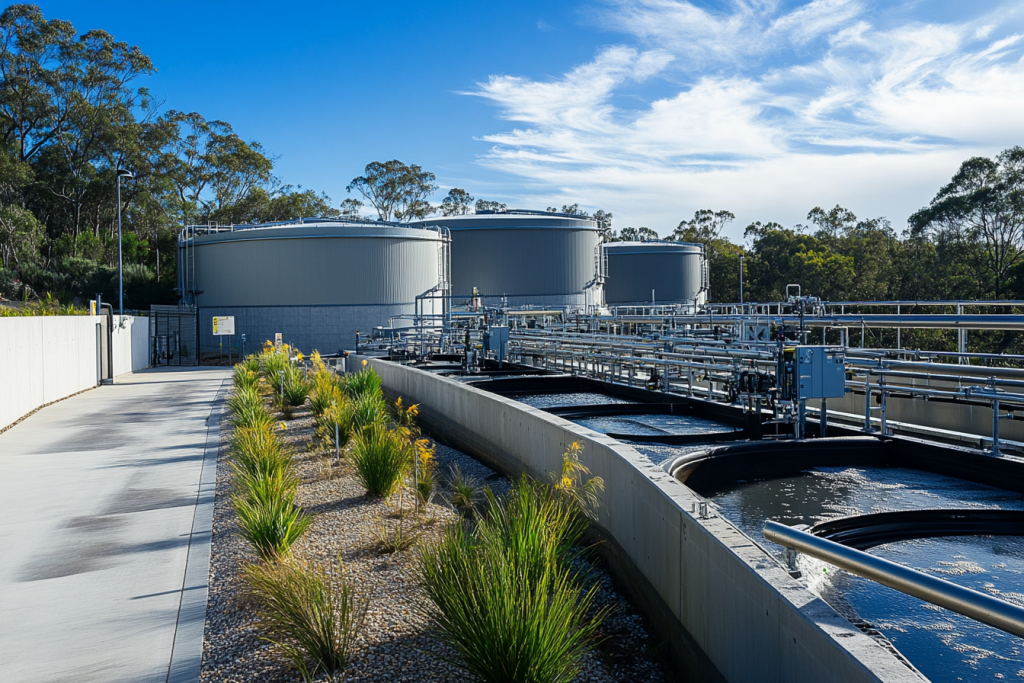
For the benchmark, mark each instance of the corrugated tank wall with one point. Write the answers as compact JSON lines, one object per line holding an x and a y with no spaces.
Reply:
{"x":524,"y":262}
{"x":302,"y":266}
{"x":528,"y":258}
{"x":673,"y":271}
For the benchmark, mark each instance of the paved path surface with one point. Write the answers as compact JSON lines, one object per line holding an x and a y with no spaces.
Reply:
{"x":105,"y":511}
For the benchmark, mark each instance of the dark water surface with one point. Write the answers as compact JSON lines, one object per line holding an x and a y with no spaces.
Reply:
{"x":653,"y":424}
{"x":942,"y":645}
{"x":583,"y":398}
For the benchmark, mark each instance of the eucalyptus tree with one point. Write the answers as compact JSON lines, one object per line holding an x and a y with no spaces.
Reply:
{"x":632,"y":234}
{"x":980,"y":213}
{"x":210,"y":166}
{"x":457,"y":203}
{"x":487,"y":205}
{"x":395,"y":190}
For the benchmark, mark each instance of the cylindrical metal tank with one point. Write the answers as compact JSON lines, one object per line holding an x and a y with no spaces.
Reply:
{"x":528,"y":257}
{"x":662,"y":272}
{"x":317,"y":282}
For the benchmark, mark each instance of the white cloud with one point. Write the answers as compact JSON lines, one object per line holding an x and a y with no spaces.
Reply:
{"x":781,"y":111}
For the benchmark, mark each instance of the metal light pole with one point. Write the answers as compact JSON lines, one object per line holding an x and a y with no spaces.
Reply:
{"x":741,"y":280}
{"x":121,"y":173}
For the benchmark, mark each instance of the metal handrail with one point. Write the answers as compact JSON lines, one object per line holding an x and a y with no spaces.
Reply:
{"x":970,"y":603}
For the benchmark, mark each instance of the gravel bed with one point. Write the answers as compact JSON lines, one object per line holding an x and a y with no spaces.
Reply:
{"x":395,"y":643}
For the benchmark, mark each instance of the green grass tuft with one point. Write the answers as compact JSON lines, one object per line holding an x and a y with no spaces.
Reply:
{"x":380,"y":457}
{"x":363,"y":383}
{"x":271,"y":526}
{"x":369,"y":410}
{"x":312,"y":623}
{"x":503,"y":594}
{"x":296,"y":387}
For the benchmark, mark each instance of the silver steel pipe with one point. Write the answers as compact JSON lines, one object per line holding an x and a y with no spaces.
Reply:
{"x":978,"y":606}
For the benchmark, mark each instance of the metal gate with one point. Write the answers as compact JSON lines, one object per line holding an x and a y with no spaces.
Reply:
{"x":174,"y":335}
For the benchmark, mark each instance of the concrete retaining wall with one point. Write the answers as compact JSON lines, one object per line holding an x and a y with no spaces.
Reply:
{"x":131,"y":344}
{"x":727,"y":609}
{"x":47,"y":358}
{"x":43,"y":359}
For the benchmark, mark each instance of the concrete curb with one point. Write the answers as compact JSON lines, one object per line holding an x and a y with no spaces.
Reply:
{"x":187,"y":651}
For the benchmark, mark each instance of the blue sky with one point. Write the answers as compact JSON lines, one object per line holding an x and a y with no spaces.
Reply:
{"x":650,"y":109}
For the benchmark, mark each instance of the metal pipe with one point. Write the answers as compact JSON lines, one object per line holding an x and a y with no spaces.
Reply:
{"x":984,"y":608}
{"x":995,"y":427}
{"x":109,"y":379}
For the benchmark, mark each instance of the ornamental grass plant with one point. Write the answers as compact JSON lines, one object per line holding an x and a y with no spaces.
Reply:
{"x":369,"y":410}
{"x":271,"y":526}
{"x":246,"y":379}
{"x":311,"y":618}
{"x":465,"y":492}
{"x":296,"y":389}
{"x":253,"y":417}
{"x":324,"y":392}
{"x":274,"y":363}
{"x":244,"y":397}
{"x":263,"y":487}
{"x":251,"y":363}
{"x":504,"y":595}
{"x":381,"y":458}
{"x":336,"y":424}
{"x":362,"y":383}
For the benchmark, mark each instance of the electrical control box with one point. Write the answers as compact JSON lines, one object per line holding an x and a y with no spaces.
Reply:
{"x":812,"y":372}
{"x":495,"y":338}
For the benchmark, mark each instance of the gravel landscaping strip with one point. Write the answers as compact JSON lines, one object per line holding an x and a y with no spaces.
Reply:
{"x":396,"y":643}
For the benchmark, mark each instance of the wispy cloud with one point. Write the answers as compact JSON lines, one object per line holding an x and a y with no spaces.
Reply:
{"x":780,"y":109}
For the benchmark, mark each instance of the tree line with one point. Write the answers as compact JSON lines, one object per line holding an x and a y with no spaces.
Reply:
{"x":72,"y":113}
{"x":968,"y":243}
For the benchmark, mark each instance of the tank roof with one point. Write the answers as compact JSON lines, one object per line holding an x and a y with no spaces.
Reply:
{"x":654,"y":245}
{"x":517,"y":218}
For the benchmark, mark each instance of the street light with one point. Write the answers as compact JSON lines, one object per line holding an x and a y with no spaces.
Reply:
{"x":121,"y":173}
{"x":741,"y":280}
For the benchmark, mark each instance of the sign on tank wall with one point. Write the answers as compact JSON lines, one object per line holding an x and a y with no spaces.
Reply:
{"x":224,"y":325}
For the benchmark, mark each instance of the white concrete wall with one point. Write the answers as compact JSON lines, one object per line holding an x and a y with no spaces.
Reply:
{"x":701,"y":581}
{"x":140,"y":343}
{"x":43,"y":359}
{"x":46,"y":358}
{"x":131,"y":344}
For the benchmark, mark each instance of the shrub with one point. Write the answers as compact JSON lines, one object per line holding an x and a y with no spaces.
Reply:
{"x":502,"y":595}
{"x":362,"y":383}
{"x":380,"y":457}
{"x":312,"y":623}
{"x":271,"y":526}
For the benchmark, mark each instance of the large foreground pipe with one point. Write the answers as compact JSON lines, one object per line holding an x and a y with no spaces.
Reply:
{"x":984,"y":608}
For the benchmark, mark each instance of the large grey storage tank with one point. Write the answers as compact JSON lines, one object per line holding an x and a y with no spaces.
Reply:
{"x":673,"y":270}
{"x":529,"y":257}
{"x":316,"y":281}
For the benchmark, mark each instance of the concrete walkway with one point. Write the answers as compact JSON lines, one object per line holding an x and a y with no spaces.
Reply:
{"x":106,"y":504}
